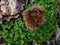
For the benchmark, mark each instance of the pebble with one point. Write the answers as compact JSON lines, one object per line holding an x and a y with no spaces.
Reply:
{"x":59,"y":1}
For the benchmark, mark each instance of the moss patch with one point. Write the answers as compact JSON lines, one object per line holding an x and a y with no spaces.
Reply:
{"x":16,"y":33}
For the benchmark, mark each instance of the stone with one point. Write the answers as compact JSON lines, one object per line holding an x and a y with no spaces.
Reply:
{"x":9,"y":8}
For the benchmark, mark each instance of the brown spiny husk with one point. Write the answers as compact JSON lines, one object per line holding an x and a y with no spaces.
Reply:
{"x":34,"y":17}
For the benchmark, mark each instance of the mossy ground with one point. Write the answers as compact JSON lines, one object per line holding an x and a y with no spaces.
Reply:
{"x":16,"y":33}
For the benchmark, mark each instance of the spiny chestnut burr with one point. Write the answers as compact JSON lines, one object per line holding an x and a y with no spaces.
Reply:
{"x":34,"y":17}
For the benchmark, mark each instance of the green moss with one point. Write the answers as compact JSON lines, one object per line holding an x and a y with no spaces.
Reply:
{"x":16,"y":33}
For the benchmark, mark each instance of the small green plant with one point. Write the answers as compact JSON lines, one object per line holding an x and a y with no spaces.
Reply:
{"x":16,"y":33}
